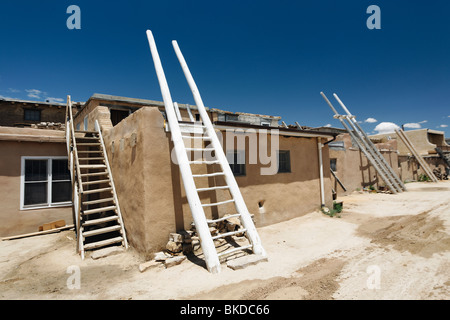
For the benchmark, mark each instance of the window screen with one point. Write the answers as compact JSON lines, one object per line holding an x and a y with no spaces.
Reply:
{"x":284,"y":161}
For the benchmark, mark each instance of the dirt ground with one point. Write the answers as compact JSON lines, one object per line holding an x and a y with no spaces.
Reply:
{"x":382,"y":247}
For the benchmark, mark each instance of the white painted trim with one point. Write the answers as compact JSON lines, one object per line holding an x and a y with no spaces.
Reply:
{"x":49,"y":184}
{"x":240,"y":205}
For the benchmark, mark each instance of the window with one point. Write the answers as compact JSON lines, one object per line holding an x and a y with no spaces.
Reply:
{"x":45,"y":182}
{"x":232,"y":117}
{"x":265,"y":123}
{"x":31,"y":115}
{"x":284,"y":161}
{"x":197,"y":117}
{"x":236,"y":159}
{"x":333,"y":164}
{"x":85,"y":123}
{"x":118,"y":115}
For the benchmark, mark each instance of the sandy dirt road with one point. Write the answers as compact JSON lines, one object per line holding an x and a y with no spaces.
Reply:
{"x":383,"y":247}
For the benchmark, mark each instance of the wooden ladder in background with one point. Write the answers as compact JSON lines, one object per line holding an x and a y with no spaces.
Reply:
{"x":404,"y":138}
{"x":95,"y":204}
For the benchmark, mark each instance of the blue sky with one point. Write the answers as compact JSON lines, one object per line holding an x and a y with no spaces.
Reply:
{"x":266,"y":57}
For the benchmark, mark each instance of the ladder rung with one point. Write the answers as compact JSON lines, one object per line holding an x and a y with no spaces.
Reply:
{"x":85,"y":131}
{"x":196,"y":137}
{"x":101,"y":230}
{"x":102,"y":243}
{"x":209,"y":174}
{"x":94,"y":174}
{"x":88,"y":144}
{"x":97,"y":201}
{"x":97,"y":190}
{"x":217,"y":203}
{"x":192,"y":125}
{"x":92,"y":158}
{"x":234,"y":250}
{"x":204,"y":162}
{"x":199,"y":149}
{"x":224,"y":218}
{"x":223,"y":235}
{"x":100,"y":220}
{"x":96,"y":210}
{"x":90,"y":151}
{"x":92,"y":166}
{"x":95,"y":182}
{"x":212,"y":188}
{"x":86,"y":138}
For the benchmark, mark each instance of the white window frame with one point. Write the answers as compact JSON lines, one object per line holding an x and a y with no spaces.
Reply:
{"x":85,"y":123}
{"x":49,"y":183}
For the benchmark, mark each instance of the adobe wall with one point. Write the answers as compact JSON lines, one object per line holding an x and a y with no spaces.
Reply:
{"x":152,"y":198}
{"x":139,"y":156}
{"x":355,"y":171}
{"x":419,"y":138}
{"x":13,"y":220}
{"x":12,"y":114}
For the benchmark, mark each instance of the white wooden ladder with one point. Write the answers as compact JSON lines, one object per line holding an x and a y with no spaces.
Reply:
{"x":207,"y":135}
{"x":95,"y":204}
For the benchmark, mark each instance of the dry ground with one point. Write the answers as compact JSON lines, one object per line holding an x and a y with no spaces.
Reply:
{"x":403,"y":240}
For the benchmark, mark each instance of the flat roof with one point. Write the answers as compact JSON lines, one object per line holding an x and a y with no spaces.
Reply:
{"x":282,"y":130}
{"x":38,"y":102}
{"x":147,"y":102}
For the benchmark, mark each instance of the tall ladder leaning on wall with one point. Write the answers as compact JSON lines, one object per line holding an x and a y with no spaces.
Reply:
{"x":382,"y":167}
{"x":96,"y":210}
{"x":208,"y":134}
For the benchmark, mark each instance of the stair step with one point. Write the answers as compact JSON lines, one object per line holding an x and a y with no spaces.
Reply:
{"x":97,"y":201}
{"x":102,"y":243}
{"x":234,"y":250}
{"x":92,"y":158}
{"x":92,"y":166}
{"x":204,"y":162}
{"x":97,"y":210}
{"x":94,"y":174}
{"x":209,"y":174}
{"x":88,"y":138}
{"x":88,"y":144}
{"x":101,"y":230}
{"x":95,"y":182}
{"x":93,"y":222}
{"x":85,"y":131}
{"x":217,"y":203}
{"x":90,"y":151}
{"x":227,"y":234}
{"x":224,"y":218}
{"x":212,"y":188}
{"x":97,"y":190}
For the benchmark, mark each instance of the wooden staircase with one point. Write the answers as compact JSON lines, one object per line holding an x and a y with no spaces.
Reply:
{"x":96,"y":208}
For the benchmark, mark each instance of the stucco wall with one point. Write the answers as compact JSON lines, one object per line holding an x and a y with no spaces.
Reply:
{"x":13,"y":221}
{"x":353,"y":168}
{"x":12,"y":114}
{"x":152,"y":198}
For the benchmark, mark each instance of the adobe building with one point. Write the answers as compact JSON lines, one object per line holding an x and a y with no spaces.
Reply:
{"x":351,"y":167}
{"x":148,"y":182}
{"x":430,"y":144}
{"x":354,"y":171}
{"x":35,"y":185}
